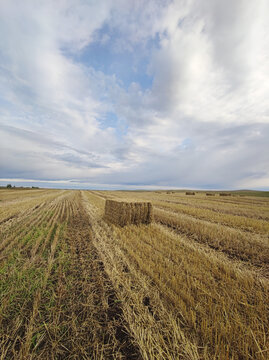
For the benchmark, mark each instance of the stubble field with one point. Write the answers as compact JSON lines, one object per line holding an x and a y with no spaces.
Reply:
{"x":192,"y":285}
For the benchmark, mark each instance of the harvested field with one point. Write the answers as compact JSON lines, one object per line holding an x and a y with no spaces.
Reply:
{"x":191,"y":284}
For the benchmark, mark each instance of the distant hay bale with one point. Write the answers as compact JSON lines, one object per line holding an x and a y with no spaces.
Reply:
{"x":124,"y":213}
{"x":190,"y":193}
{"x":225,"y":194}
{"x":210,"y":194}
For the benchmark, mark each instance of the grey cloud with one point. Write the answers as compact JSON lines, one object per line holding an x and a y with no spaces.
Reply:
{"x":76,"y":160}
{"x":33,"y":156}
{"x":43,"y":140}
{"x":204,"y":122}
{"x":211,"y":162}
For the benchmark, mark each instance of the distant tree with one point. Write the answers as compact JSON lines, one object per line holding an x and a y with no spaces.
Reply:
{"x":9,"y":186}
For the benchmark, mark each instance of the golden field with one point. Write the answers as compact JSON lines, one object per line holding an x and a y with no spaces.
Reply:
{"x":193,"y":284}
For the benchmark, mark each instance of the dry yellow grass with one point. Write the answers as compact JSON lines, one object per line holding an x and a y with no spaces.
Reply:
{"x":257,"y":208}
{"x":56,"y":299}
{"x":245,"y":246}
{"x":211,"y":297}
{"x":191,"y":285}
{"x":258,"y":226}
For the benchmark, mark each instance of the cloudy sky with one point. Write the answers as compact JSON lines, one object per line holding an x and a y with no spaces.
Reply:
{"x":135,"y":94}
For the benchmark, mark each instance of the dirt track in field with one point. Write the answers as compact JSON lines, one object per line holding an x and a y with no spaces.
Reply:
{"x":92,"y":315}
{"x":72,"y":311}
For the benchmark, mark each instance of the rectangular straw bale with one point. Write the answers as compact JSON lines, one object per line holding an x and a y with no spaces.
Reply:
{"x":123,"y":213}
{"x":225,"y":194}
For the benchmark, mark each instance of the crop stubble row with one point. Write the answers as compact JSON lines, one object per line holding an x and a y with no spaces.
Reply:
{"x":126,"y":291}
{"x":56,"y":300}
{"x":23,"y":281}
{"x":224,"y":308}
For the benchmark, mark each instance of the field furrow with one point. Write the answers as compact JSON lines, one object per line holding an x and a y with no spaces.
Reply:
{"x":238,"y":222}
{"x":85,"y":312}
{"x":246,"y":247}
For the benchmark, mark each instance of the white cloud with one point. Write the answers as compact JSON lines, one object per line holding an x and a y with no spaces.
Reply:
{"x":212,"y":58}
{"x":47,"y":90}
{"x":203,"y":122}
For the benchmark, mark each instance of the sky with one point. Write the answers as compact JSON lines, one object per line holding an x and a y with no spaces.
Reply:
{"x":137,"y":94}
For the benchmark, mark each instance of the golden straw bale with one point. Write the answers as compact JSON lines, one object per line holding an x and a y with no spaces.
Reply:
{"x":123,"y":213}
